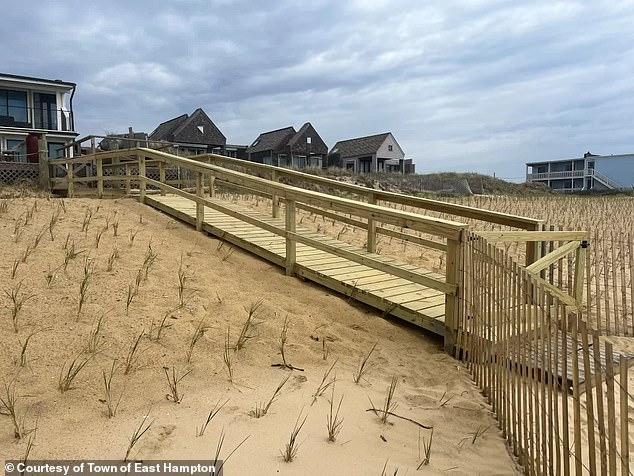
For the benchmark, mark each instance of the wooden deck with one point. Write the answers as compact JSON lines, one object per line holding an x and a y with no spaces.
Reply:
{"x":399,"y":297}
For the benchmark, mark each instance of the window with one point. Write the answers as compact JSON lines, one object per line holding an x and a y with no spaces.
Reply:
{"x":17,"y":149}
{"x":390,"y":148}
{"x":55,"y":149}
{"x":45,"y":111}
{"x":201,"y":129}
{"x":255,"y":142}
{"x":308,"y":140}
{"x":13,"y":107}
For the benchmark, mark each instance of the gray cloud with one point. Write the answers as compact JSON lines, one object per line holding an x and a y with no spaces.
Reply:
{"x":463,"y":84}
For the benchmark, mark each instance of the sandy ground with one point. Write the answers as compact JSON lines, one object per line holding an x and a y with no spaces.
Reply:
{"x":433,"y":389}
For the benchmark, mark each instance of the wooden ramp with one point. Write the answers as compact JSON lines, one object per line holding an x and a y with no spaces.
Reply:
{"x":399,"y":297}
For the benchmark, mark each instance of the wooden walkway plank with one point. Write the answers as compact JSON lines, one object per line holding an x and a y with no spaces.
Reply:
{"x":398,"y":296}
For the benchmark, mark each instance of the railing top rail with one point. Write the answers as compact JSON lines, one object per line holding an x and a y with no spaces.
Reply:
{"x":437,"y":226}
{"x":418,"y":202}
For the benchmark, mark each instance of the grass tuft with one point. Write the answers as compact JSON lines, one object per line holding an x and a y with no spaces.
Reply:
{"x":134,"y":352}
{"x":363,"y":367}
{"x":17,"y":298}
{"x":67,"y":374}
{"x":141,"y":430}
{"x":112,"y":404}
{"x":292,"y":447}
{"x":173,"y":381}
{"x":198,"y":334}
{"x":249,"y":324}
{"x":333,"y":422}
{"x":262,"y":409}
{"x":210,"y":416}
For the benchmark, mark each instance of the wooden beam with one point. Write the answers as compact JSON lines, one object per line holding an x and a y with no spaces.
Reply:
{"x":291,"y":243}
{"x":142,"y":178}
{"x":520,"y":236}
{"x":552,"y":257}
{"x":200,"y":206}
{"x":371,"y":237}
{"x":371,"y":262}
{"x":99,"y":177}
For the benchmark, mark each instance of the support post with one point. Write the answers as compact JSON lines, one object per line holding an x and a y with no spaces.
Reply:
{"x":162,"y":175}
{"x":70,"y":176}
{"x":291,"y":245}
{"x":371,"y":241}
{"x":142,"y":182}
{"x":580,"y":267}
{"x":533,"y":248}
{"x":452,"y":301}
{"x":200,"y":208}
{"x":276,"y":198}
{"x":212,"y":186}
{"x":44,"y":169}
{"x":128,"y":179}
{"x":99,"y":177}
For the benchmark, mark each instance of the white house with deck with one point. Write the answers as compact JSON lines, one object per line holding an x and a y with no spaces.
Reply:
{"x":32,"y":109}
{"x":590,"y":172}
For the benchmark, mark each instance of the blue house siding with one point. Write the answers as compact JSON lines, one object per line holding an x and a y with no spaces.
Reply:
{"x":618,"y":168}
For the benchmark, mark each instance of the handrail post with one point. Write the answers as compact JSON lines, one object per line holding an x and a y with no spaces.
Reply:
{"x":371,"y":246}
{"x":276,"y":198}
{"x":212,"y":186}
{"x":580,"y":267}
{"x":291,"y":244}
{"x":99,"y":177}
{"x":142,"y":183}
{"x":533,"y":248}
{"x":128,"y":179}
{"x":200,"y":208}
{"x":70,"y":176}
{"x":452,"y":302}
{"x":162,"y":175}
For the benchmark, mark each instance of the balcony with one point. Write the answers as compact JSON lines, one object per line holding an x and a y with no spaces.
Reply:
{"x":568,"y":174}
{"x":36,"y":118}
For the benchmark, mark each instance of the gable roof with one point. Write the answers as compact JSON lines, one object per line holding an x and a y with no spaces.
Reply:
{"x":360,"y":146}
{"x":272,"y":140}
{"x":165,"y":130}
{"x":187,"y":129}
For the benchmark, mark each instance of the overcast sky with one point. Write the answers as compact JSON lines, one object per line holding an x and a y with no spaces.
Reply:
{"x":464,"y":85}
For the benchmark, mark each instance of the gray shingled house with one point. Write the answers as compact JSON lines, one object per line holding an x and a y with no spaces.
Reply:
{"x":194,"y":134}
{"x":289,"y":148}
{"x":377,"y":153}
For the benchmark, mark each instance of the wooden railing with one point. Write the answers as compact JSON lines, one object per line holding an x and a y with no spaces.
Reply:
{"x":374,"y":196}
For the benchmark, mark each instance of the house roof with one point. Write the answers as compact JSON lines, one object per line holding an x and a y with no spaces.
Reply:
{"x":272,"y":140}
{"x":165,"y":130}
{"x":52,"y":82}
{"x":197,"y":128}
{"x":360,"y":146}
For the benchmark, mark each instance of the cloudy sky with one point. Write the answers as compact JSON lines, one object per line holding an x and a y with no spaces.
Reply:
{"x":464,"y":85}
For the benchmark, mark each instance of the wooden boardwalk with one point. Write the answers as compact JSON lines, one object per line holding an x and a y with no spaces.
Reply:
{"x":413,"y":302}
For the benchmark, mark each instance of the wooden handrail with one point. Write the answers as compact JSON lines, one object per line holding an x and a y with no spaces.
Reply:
{"x":435,"y":226}
{"x":515,"y":221}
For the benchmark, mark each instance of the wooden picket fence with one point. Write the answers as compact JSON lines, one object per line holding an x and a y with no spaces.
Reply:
{"x":560,"y":394}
